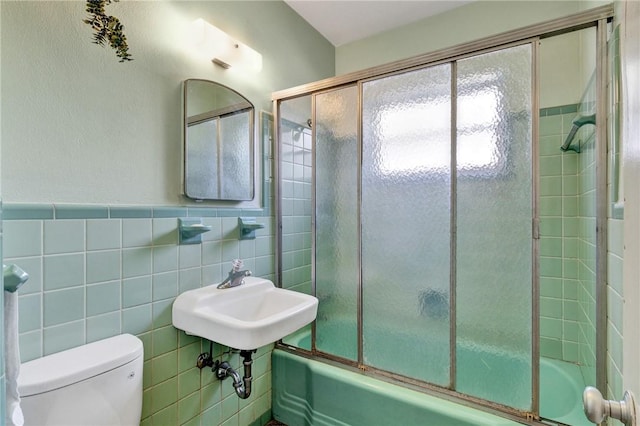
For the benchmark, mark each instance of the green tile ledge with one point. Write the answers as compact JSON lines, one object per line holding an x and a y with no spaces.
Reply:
{"x":32,"y":211}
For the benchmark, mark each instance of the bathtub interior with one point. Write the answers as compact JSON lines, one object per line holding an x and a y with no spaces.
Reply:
{"x":561,"y":386}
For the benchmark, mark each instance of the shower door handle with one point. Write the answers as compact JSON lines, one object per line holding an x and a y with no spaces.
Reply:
{"x":596,"y":408}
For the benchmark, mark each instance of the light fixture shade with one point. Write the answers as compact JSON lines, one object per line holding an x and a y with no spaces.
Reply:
{"x":222,"y":49}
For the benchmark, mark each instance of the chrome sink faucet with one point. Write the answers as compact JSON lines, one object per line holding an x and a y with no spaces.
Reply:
{"x":236,"y":276}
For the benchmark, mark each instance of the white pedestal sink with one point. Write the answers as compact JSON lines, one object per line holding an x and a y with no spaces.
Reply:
{"x":248,"y":316}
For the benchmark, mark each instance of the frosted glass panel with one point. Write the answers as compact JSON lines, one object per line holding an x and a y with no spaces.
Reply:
{"x":406,"y":192}
{"x":494,"y":214}
{"x":295,"y":203}
{"x":202,"y":156}
{"x":235,"y":155}
{"x":337,"y":271}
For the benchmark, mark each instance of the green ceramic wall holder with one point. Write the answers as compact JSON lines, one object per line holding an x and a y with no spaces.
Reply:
{"x":191,"y":230}
{"x":248,"y":226}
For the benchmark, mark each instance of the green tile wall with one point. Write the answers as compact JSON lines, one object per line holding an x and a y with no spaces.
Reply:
{"x":559,"y":331}
{"x":92,"y":278}
{"x":296,"y":190}
{"x":568,"y":249}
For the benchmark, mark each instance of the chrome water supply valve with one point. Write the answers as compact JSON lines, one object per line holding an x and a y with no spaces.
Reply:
{"x":596,"y":408}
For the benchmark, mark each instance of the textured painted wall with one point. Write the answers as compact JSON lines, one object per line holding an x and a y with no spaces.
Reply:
{"x":80,"y":127}
{"x":90,"y":138}
{"x":471,"y":22}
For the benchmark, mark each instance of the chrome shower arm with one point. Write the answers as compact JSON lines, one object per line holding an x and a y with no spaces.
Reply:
{"x":577,"y":123}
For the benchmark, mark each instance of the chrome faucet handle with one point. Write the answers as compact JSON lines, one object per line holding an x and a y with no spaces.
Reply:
{"x":236,"y":265}
{"x":236,"y":276}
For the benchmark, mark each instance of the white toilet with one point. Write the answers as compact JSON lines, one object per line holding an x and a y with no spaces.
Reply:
{"x":96,"y":384}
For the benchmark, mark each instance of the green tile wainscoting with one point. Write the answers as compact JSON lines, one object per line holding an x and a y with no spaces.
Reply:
{"x":99,"y":271}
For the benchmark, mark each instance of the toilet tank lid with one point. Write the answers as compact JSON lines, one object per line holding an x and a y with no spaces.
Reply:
{"x":74,"y":365}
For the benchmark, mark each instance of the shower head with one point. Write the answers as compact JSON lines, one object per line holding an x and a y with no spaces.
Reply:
{"x":566,"y":146}
{"x":577,"y":123}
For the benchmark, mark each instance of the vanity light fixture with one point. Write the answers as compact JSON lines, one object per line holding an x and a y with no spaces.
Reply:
{"x":222,"y":49}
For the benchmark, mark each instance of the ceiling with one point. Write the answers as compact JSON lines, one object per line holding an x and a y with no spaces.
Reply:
{"x":342,"y":22}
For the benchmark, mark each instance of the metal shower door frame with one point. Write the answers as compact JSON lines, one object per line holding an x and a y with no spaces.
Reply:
{"x":597,"y":17}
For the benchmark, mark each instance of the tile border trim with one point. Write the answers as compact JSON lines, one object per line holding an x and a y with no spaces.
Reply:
{"x":28,"y":211}
{"x":559,"y":110}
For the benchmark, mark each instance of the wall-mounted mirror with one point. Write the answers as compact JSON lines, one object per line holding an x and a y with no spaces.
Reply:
{"x":218,"y":142}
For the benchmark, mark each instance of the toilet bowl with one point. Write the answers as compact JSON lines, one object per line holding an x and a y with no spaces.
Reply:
{"x":95,"y":384}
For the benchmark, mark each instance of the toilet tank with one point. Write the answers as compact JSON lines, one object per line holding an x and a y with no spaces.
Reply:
{"x":96,"y":384}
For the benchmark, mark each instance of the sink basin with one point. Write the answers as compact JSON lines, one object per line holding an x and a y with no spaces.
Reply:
{"x":249,"y":316}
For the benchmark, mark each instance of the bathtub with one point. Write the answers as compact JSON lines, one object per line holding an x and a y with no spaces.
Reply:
{"x":561,"y":386}
{"x":309,"y":392}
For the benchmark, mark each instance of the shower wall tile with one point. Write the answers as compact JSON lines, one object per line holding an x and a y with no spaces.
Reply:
{"x":615,"y":303}
{"x":551,"y":266}
{"x":550,"y":327}
{"x":551,"y":348}
{"x":550,"y":125}
{"x":551,"y":166}
{"x":551,"y":287}
{"x":570,"y":289}
{"x":570,"y":350}
{"x":570,"y":331}
{"x":560,"y":230}
{"x":551,"y":206}
{"x":614,"y":272}
{"x":549,"y":145}
{"x":551,"y":246}
{"x":551,"y":307}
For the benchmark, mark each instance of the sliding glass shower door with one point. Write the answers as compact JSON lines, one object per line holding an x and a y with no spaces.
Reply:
{"x":422,"y":211}
{"x":494,"y":217}
{"x":406,"y":223}
{"x":337,"y":228}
